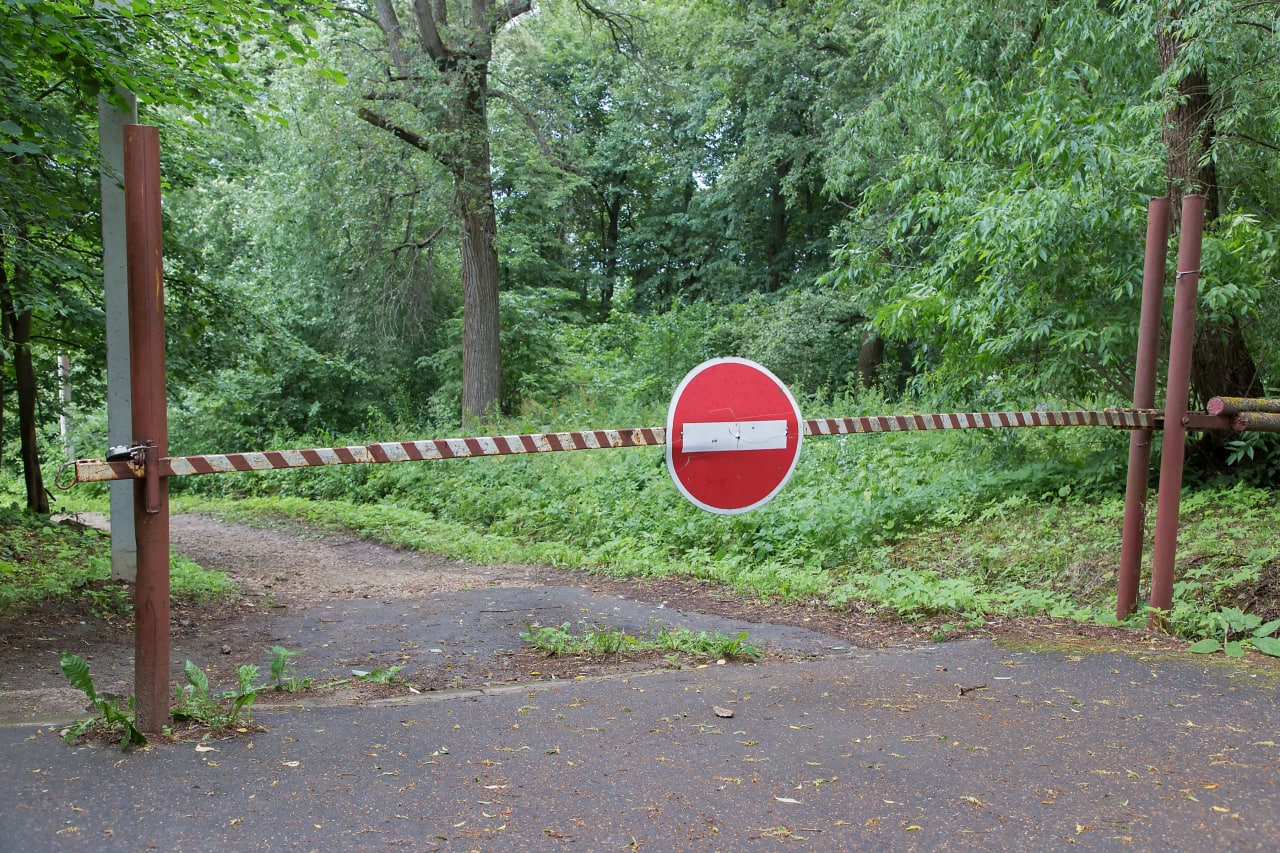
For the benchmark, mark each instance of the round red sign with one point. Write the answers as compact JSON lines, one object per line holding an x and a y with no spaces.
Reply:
{"x":733,"y":435}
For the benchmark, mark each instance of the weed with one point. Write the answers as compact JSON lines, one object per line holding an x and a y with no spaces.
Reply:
{"x":280,"y":677}
{"x":704,"y":644}
{"x":1240,"y":631}
{"x":112,"y":717}
{"x":605,"y":641}
{"x":382,"y":675}
{"x":45,"y":561}
{"x":554,"y":640}
{"x":194,"y":703}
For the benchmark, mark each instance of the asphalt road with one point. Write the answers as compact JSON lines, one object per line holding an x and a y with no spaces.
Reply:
{"x":964,"y":745}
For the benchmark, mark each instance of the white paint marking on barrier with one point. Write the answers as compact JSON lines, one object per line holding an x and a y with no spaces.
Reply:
{"x":427,"y":450}
{"x":221,"y":464}
{"x":732,"y":435}
{"x":395,"y":452}
{"x":294,"y":458}
{"x":488,"y":446}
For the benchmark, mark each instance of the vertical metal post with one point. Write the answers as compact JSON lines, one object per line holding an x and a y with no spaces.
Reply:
{"x":1144,"y":397}
{"x":150,"y":425}
{"x":1173,"y":448}
{"x":115,"y":287}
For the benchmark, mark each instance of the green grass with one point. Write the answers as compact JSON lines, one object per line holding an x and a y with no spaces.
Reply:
{"x":606,"y":640}
{"x":1017,"y":556}
{"x":42,"y":561}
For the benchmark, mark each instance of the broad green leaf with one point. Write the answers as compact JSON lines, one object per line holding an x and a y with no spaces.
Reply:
{"x":1205,"y":646}
{"x":1268,"y":629}
{"x":1233,"y":649}
{"x":1266,"y":645}
{"x":197,"y":678}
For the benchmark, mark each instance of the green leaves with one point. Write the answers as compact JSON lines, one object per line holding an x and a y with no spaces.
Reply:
{"x":112,"y":716}
{"x":76,"y":670}
{"x":1234,"y":622}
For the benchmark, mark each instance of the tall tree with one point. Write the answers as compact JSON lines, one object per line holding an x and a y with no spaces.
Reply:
{"x":437,"y":76}
{"x":1222,"y":363}
{"x":997,"y":163}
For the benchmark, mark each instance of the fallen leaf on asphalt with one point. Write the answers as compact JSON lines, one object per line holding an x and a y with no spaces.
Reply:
{"x":290,"y":763}
{"x":787,"y":800}
{"x":200,"y":747}
{"x":721,"y":712}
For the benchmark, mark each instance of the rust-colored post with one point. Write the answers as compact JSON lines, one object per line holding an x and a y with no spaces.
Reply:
{"x":150,"y":425}
{"x":1173,"y":449}
{"x":1144,"y":397}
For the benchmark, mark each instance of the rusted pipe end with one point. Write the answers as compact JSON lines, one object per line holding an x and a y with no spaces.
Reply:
{"x":1217,"y":406}
{"x":1257,"y":422}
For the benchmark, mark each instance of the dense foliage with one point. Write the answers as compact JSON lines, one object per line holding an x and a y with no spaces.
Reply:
{"x":893,"y":204}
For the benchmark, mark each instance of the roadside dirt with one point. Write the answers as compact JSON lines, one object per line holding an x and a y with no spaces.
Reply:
{"x":346,"y":604}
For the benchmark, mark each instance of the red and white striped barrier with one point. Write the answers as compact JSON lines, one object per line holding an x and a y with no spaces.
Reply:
{"x":97,"y":470}
{"x":1115,"y":418}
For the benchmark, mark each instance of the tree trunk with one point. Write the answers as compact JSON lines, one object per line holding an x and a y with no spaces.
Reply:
{"x":776,"y":235}
{"x":481,"y":353}
{"x":18,"y":324}
{"x":473,"y":201}
{"x":461,"y":50}
{"x":1221,"y":362}
{"x":870,"y":357}
{"x":612,"y":233}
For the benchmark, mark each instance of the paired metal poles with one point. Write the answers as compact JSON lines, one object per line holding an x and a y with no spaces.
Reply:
{"x":1173,"y":447}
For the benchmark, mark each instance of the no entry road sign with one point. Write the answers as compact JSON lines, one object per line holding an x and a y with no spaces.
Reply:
{"x":733,"y":435}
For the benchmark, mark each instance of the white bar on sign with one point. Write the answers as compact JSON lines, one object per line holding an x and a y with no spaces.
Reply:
{"x":734,"y":435}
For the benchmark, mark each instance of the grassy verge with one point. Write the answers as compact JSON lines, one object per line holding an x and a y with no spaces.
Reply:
{"x":1016,"y":557}
{"x":42,"y":561}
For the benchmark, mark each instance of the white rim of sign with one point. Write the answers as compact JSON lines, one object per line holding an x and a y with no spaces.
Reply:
{"x":726,"y":436}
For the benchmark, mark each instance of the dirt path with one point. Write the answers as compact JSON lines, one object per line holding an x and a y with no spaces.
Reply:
{"x":298,"y":565}
{"x":343,"y":603}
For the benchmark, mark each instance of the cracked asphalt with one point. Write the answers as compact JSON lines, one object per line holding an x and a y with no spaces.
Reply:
{"x":962,"y":745}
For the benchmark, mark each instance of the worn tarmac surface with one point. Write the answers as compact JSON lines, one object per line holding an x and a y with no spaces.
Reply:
{"x":967,"y":744}
{"x":963,"y":745}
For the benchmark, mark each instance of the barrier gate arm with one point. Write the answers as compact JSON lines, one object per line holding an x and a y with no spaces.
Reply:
{"x":97,"y":470}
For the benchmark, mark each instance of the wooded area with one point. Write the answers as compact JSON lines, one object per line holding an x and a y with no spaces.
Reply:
{"x":388,"y":219}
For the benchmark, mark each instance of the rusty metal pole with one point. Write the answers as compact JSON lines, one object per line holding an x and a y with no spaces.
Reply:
{"x":1173,"y":448}
{"x":150,"y":425}
{"x":1144,"y":397}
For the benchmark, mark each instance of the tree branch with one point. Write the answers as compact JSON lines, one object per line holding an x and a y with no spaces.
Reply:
{"x":419,"y":245}
{"x":541,"y":137}
{"x":621,"y":26}
{"x":508,"y":13}
{"x":1252,"y":140}
{"x":359,"y":13}
{"x":405,"y":135}
{"x":429,"y":16}
{"x":389,"y":23}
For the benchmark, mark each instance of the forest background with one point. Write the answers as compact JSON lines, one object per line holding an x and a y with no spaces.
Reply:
{"x":393,"y":220}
